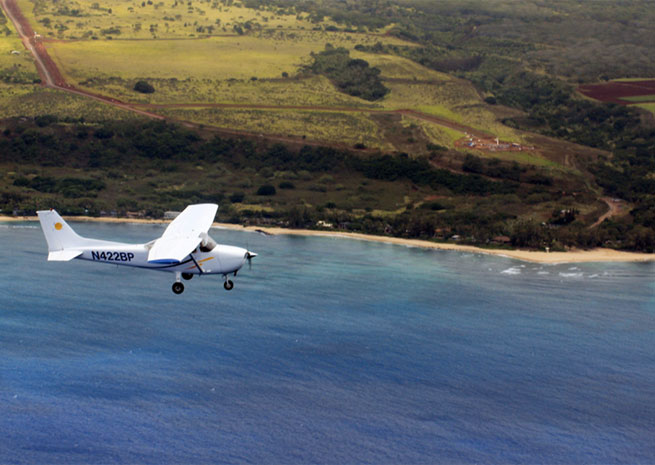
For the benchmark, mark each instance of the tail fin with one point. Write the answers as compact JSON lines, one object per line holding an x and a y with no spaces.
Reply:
{"x":60,"y":236}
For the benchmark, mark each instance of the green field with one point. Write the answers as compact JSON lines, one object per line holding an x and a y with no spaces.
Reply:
{"x":16,"y":64}
{"x":395,"y":67}
{"x":436,"y":133}
{"x":323,"y":126}
{"x":87,"y":19}
{"x":647,"y":106}
{"x":190,"y":76}
{"x":310,"y":91}
{"x":32,"y":101}
{"x":640,"y":98}
{"x":221,"y":52}
{"x":225,"y":66}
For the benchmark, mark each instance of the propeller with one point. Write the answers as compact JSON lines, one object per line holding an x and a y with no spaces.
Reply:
{"x":249,"y":256}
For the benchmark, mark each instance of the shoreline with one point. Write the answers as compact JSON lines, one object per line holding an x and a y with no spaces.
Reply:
{"x":574,"y":256}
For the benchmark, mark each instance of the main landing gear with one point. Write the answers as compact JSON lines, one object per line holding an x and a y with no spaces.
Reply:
{"x":178,"y":287}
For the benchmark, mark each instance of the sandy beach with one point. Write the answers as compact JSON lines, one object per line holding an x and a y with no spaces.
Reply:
{"x":572,"y":256}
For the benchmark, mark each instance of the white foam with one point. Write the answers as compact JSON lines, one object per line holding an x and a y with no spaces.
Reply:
{"x":571,"y":275}
{"x":512,"y":270}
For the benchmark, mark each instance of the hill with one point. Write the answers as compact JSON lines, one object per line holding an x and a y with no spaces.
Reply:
{"x":442,"y":119}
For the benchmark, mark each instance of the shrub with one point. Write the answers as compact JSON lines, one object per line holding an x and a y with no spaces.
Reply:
{"x":144,"y":87}
{"x":286,"y":185}
{"x":237,"y":197}
{"x":266,"y":189}
{"x":45,"y":120}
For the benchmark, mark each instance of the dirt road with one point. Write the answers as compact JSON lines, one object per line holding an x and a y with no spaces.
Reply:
{"x":616,"y":207}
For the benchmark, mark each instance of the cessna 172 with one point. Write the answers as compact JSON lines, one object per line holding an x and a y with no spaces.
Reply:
{"x":185,"y":248}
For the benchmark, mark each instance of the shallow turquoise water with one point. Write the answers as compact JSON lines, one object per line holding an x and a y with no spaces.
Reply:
{"x":327,"y":351}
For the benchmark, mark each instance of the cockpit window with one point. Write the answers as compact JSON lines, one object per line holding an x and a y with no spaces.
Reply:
{"x":207,"y":244}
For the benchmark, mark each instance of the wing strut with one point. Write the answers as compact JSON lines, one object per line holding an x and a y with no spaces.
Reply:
{"x":197,"y":264}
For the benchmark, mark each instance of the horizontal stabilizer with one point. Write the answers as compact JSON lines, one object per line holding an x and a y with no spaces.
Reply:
{"x":63,"y":255}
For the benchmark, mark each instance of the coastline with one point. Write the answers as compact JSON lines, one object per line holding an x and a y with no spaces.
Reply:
{"x":573,"y":256}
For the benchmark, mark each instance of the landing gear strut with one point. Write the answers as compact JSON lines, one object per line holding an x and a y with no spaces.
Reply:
{"x":178,"y":287}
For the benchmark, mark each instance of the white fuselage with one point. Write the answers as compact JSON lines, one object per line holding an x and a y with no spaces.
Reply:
{"x":223,"y":259}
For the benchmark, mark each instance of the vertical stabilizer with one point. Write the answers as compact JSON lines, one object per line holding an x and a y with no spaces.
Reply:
{"x":58,"y":233}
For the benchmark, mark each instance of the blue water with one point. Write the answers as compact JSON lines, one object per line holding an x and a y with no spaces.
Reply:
{"x":327,"y":351}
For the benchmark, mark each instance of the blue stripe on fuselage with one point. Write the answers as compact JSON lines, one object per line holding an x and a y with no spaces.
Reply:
{"x":165,"y":261}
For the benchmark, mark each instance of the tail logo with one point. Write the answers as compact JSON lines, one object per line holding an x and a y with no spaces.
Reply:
{"x":58,"y":226}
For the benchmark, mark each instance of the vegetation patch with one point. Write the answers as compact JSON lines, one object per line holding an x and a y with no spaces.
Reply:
{"x":144,"y":87}
{"x":16,"y":64}
{"x":328,"y":126}
{"x":353,"y":76}
{"x":31,"y":101}
{"x":648,"y":106}
{"x":151,"y":167}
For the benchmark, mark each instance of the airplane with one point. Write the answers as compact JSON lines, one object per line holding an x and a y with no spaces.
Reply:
{"x":185,"y":248}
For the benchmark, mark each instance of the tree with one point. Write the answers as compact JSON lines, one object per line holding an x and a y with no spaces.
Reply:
{"x":144,"y":87}
{"x":266,"y":189}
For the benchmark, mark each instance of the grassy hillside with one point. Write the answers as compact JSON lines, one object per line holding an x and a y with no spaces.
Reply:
{"x":151,"y":167}
{"x":441,"y":74}
{"x":226,"y":53}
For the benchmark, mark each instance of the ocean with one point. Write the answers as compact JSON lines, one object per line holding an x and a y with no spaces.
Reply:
{"x":328,"y":351}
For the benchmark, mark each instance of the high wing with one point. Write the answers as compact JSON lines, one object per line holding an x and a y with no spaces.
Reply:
{"x":183,"y":235}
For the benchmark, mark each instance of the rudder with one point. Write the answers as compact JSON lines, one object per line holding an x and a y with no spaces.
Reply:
{"x":58,"y":234}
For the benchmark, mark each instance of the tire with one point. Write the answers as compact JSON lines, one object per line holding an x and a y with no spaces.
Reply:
{"x":187,"y":276}
{"x":228,"y":285}
{"x":178,"y":288}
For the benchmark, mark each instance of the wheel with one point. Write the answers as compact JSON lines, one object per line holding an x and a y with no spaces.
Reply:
{"x":187,"y":276}
{"x":178,"y":288}
{"x":228,"y":285}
